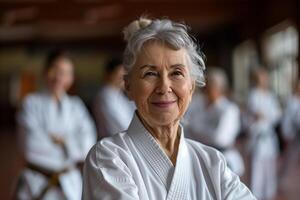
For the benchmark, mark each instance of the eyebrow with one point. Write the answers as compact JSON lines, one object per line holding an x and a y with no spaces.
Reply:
{"x":154,"y":66}
{"x":148,"y":65}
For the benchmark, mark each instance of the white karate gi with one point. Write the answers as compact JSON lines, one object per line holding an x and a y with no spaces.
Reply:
{"x":290,"y":125}
{"x":263,"y":143}
{"x":132,"y":165}
{"x":291,"y":118}
{"x":113,"y":111}
{"x":69,"y":119}
{"x":216,"y":125}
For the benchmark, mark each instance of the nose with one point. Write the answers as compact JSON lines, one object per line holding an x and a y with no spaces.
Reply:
{"x":163,"y":85}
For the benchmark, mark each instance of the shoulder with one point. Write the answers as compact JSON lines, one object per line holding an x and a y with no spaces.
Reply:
{"x":76,"y":102}
{"x":253,"y":93}
{"x":233,"y":107}
{"x":227,"y":104}
{"x":75,"y":99}
{"x":36,"y":96}
{"x":33,"y":99}
{"x":110,"y":150}
{"x":106,"y":95}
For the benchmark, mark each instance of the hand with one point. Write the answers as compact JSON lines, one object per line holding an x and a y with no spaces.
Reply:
{"x":80,"y":165}
{"x":57,"y":139}
{"x":258,"y":116}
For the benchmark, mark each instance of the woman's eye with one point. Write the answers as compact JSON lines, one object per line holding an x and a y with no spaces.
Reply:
{"x":177,"y":73}
{"x":150,"y":74}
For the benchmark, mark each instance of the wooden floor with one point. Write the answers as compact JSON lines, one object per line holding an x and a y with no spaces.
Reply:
{"x":11,"y":164}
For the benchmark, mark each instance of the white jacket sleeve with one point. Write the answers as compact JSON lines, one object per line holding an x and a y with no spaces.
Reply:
{"x":84,"y":133}
{"x":227,"y":129}
{"x":231,"y":186}
{"x":107,"y":177}
{"x":287,"y":122}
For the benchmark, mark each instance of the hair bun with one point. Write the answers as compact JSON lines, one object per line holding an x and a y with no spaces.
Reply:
{"x":135,"y":26}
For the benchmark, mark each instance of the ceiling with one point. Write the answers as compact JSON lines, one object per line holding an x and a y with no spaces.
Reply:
{"x":55,"y":20}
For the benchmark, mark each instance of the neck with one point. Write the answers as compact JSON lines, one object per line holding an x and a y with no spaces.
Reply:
{"x":214,"y":99}
{"x":263,"y":87}
{"x":167,"y":137}
{"x":57,"y":96}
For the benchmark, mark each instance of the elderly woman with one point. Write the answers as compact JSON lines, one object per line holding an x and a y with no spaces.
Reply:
{"x":152,"y":160}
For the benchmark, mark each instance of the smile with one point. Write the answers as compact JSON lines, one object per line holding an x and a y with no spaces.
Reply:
{"x":163,"y":104}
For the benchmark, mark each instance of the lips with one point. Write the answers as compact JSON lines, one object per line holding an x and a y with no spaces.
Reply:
{"x":163,"y":104}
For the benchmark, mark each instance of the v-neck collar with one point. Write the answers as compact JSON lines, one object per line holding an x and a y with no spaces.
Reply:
{"x":175,"y":178}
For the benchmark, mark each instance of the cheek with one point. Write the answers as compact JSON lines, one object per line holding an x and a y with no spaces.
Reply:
{"x":67,"y":81}
{"x":140,"y":93}
{"x":184,"y":94}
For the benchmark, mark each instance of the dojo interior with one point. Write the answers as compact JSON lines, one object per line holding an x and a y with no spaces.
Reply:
{"x":233,"y":34}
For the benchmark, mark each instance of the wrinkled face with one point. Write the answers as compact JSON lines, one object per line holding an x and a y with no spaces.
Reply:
{"x":160,"y":84}
{"x":60,"y":76}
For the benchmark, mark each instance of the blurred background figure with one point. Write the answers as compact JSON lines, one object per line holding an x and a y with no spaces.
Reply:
{"x":291,"y":132}
{"x":264,"y":114}
{"x":56,"y":133}
{"x":215,"y":120}
{"x":112,"y":109}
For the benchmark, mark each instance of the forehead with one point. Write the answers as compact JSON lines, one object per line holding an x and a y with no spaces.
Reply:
{"x":158,"y":53}
{"x":63,"y":63}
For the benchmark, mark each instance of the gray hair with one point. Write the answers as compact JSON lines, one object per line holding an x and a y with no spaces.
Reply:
{"x":173,"y":34}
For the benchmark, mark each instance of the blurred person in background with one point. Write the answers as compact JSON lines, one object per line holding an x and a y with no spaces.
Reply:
{"x":263,"y":115}
{"x":214,"y":120}
{"x":112,"y":109}
{"x":290,"y":127}
{"x":56,"y":132}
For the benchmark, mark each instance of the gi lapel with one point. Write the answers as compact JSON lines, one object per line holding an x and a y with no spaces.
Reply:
{"x":151,"y":151}
{"x":179,"y":189}
{"x":176,"y":179}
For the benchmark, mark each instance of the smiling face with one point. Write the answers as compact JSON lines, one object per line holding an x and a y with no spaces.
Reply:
{"x":160,"y":84}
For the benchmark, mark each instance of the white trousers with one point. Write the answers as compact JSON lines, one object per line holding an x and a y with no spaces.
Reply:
{"x":264,"y":177}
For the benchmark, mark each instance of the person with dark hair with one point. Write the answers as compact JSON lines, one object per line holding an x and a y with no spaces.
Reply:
{"x":112,"y":109}
{"x":56,"y":133}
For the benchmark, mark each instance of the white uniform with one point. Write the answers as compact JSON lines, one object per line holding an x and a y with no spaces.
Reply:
{"x":69,"y":119}
{"x":263,"y":143}
{"x":291,"y":131}
{"x":113,"y":111}
{"x":291,"y":118}
{"x":132,"y":165}
{"x":216,"y":125}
